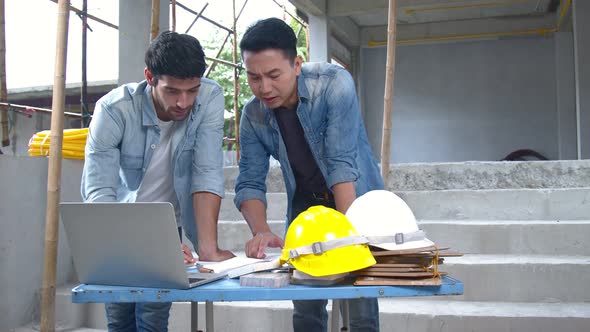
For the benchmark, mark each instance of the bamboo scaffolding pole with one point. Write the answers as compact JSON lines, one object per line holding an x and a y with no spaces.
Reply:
{"x":203,"y":17}
{"x":155,"y":26}
{"x":388,"y":96}
{"x":214,"y":64}
{"x":54,"y":170}
{"x":223,"y":62}
{"x":236,"y":83}
{"x":173,"y":8}
{"x":92,"y":17}
{"x":84,"y":88}
{"x":3,"y":92}
{"x":36,"y":109}
{"x":297,"y":19}
{"x":197,"y":17}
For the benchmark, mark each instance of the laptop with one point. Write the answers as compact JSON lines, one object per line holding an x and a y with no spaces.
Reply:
{"x":128,"y":244}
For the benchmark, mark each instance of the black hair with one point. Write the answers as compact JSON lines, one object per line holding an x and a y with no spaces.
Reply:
{"x":270,"y":33}
{"x":176,"y":55}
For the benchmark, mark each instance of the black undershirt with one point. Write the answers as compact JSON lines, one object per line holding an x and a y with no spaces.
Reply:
{"x":308,"y":176}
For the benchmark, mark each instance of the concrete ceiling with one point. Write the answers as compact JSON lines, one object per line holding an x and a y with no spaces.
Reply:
{"x":364,"y":22}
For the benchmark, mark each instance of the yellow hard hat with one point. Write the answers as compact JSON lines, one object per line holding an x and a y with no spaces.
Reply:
{"x":321,"y":242}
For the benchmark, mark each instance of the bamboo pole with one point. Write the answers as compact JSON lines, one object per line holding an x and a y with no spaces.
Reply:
{"x":92,"y":17}
{"x":212,"y":67}
{"x":203,"y":17}
{"x":285,"y":11}
{"x":236,"y":84}
{"x":388,"y":96}
{"x":26,"y":108}
{"x":54,"y":170}
{"x":197,"y":17}
{"x":173,"y":8}
{"x":155,"y":30}
{"x":3,"y":92}
{"x":214,"y":64}
{"x":84,"y":88}
{"x":223,"y":62}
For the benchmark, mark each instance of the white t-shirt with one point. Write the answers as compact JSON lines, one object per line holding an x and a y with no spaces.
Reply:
{"x":158,"y":181}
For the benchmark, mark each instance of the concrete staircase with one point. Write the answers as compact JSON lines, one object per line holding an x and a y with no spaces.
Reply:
{"x":523,"y":227}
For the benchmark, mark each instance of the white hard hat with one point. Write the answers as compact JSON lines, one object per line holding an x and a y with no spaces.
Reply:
{"x":386,"y":221}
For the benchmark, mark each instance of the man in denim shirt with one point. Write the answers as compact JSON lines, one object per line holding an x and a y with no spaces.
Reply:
{"x":160,"y":141}
{"x":307,"y":117}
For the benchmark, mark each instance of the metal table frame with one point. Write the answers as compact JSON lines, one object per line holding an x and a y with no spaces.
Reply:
{"x":230,"y":290}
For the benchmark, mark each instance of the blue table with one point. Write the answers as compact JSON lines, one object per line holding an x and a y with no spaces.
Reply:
{"x":230,"y":290}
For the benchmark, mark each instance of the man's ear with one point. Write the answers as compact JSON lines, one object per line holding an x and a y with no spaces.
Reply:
{"x":148,"y":76}
{"x":297,"y":63}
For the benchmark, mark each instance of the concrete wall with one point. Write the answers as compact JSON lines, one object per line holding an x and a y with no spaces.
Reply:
{"x":581,"y":22}
{"x":566,"y":96}
{"x":134,"y":36}
{"x":22,"y":233}
{"x":465,"y":101}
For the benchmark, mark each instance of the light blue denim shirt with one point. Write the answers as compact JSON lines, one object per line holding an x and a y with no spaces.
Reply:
{"x":329,"y":114}
{"x":123,"y":133}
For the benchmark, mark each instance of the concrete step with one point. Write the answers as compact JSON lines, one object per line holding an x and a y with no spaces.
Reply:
{"x":498,"y":204}
{"x":406,"y":314}
{"x":525,"y":237}
{"x":465,"y":175}
{"x":519,"y":278}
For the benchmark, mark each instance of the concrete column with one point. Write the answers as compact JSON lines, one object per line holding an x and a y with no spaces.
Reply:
{"x":581,"y":24}
{"x":567,"y":141}
{"x":319,"y":37}
{"x":134,"y":36}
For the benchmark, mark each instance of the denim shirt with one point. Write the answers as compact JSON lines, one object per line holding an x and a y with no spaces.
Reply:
{"x":121,"y":138}
{"x":329,"y":114}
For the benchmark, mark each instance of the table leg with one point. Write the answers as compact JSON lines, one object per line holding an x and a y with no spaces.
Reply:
{"x":194,"y":316}
{"x":335,"y":325}
{"x":345,"y":315}
{"x":209,"y":316}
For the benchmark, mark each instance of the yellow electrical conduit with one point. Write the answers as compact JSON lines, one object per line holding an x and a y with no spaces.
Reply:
{"x":74,"y":141}
{"x":564,"y":9}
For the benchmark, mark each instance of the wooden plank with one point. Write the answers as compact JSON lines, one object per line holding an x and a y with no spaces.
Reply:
{"x":440,"y":253}
{"x":393,"y":269}
{"x":398,"y":274}
{"x":397,"y":265}
{"x":421,"y":261}
{"x":375,"y":281}
{"x":378,"y":252}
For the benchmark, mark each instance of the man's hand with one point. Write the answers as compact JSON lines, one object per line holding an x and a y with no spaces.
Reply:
{"x":256,"y":246}
{"x":188,"y":255}
{"x":216,"y":256}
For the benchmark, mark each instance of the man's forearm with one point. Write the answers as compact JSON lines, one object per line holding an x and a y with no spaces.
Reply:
{"x":344,"y":195}
{"x":254,"y":212}
{"x":206,"y":206}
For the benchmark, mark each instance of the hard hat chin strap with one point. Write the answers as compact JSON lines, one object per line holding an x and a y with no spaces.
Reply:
{"x":398,"y":238}
{"x":318,"y":248}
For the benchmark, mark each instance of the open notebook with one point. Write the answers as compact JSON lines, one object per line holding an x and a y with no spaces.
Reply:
{"x":241,"y":265}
